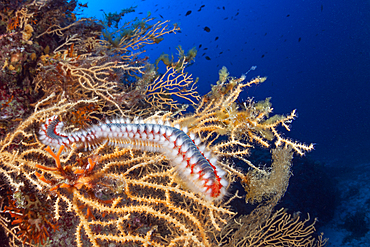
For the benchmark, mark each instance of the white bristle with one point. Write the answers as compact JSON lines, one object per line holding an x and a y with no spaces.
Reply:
{"x":209,"y":183}
{"x":196,"y":176}
{"x":197,"y":141}
{"x":196,"y":169}
{"x":169,"y":132}
{"x":202,"y":148}
{"x":192,"y":136}
{"x":179,"y":159}
{"x":184,"y":148}
{"x":223,"y":182}
{"x":213,"y":160}
{"x":172,"y":138}
{"x":162,"y":140}
{"x":221,"y":173}
{"x":149,"y":128}
{"x":193,"y":160}
{"x":162,"y":130}
{"x":187,"y":171}
{"x":207,"y":175}
{"x":179,"y":141}
{"x":174,"y":152}
{"x":207,"y":154}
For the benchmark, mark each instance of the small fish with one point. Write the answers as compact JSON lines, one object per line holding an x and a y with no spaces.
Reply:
{"x":188,"y":13}
{"x":263,"y":56}
{"x":201,"y":7}
{"x":207,"y":57}
{"x":216,"y":38}
{"x":322,"y":7}
{"x":287,"y":15}
{"x":207,"y":29}
{"x":299,"y":39}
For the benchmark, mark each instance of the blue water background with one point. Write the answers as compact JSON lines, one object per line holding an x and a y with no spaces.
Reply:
{"x":316,"y":55}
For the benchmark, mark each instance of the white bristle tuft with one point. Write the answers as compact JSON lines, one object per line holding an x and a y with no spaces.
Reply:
{"x":192,"y":136}
{"x":221,"y":173}
{"x":202,"y":148}
{"x":169,"y":132}
{"x":149,"y":128}
{"x":162,"y":130}
{"x":207,"y":154}
{"x":179,"y":141}
{"x":172,"y":138}
{"x":213,"y":161}
{"x":193,"y":160}
{"x":197,"y":141}
{"x":209,"y":183}
{"x":184,"y":149}
{"x":224,"y":182}
{"x":196,"y":169}
{"x":207,"y":175}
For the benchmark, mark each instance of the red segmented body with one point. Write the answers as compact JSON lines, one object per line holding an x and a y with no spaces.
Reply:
{"x":194,"y":164}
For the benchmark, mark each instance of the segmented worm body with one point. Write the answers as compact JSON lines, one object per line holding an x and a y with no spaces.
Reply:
{"x":195,"y":164}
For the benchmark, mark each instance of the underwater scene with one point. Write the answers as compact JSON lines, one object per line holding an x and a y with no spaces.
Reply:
{"x":184,"y":123}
